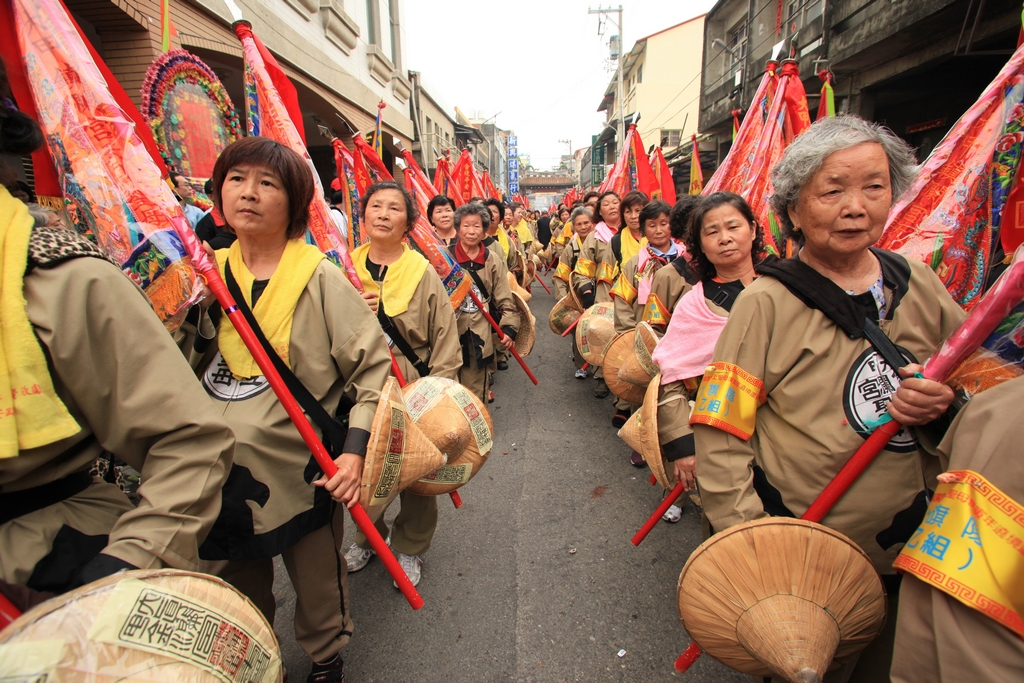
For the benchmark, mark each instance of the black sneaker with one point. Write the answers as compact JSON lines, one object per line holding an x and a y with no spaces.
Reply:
{"x":331,"y":671}
{"x":601,"y":390}
{"x":619,"y":418}
{"x":502,"y":365}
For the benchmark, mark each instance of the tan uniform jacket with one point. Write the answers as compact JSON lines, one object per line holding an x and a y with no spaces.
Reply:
{"x":336,"y":348}
{"x":430,"y":328}
{"x":475,"y":333}
{"x":123,"y":380}
{"x":602,"y":257}
{"x":817,"y":381}
{"x":674,"y":431}
{"x":566,"y":262}
{"x":669,"y":285}
{"x":938,"y":638}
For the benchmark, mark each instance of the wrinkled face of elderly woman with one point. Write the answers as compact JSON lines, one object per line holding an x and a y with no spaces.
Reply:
{"x":843,"y":207}
{"x":386,"y":219}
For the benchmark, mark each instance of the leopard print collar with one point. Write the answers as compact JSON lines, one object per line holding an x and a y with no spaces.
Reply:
{"x":49,"y":247}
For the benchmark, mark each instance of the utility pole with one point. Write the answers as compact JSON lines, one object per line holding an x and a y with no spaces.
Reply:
{"x":570,"y":164}
{"x":620,"y":94}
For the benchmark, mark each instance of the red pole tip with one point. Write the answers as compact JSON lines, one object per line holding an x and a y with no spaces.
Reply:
{"x":686,"y":660}
{"x":456,"y":499}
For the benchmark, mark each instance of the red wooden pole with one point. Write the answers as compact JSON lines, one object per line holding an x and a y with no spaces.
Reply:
{"x":572,"y":327}
{"x":501,"y":335}
{"x":652,"y":521}
{"x":216,"y":284}
{"x":8,"y":612}
{"x":541,"y":281}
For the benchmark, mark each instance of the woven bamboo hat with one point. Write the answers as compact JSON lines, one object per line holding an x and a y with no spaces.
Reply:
{"x":528,"y":273}
{"x":594,"y":331}
{"x":638,"y":367}
{"x":618,"y":351}
{"x":641,"y":433}
{"x":398,"y":454}
{"x":527,"y":333}
{"x":206,"y":632}
{"x":514,"y":286}
{"x":564,"y":313}
{"x":455,"y":421}
{"x":781,"y":597}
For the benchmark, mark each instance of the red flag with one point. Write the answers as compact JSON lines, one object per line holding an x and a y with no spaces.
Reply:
{"x":44,"y":170}
{"x":489,"y":187}
{"x":632,"y":170}
{"x":445,"y":184}
{"x":285,"y":88}
{"x":798,"y":118}
{"x":827,"y":104}
{"x":465,"y":177}
{"x":663,"y":175}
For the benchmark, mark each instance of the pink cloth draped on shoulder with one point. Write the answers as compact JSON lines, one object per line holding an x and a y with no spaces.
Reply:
{"x":603,"y":232}
{"x":689,"y":343}
{"x":646,"y":279}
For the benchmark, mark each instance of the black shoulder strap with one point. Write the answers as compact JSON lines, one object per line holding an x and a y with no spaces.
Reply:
{"x":723,"y":294}
{"x":616,"y":243}
{"x":334,"y":433}
{"x":392,"y":331}
{"x":684,"y":270}
{"x":818,"y":292}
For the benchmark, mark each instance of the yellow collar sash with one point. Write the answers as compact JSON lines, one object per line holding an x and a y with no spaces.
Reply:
{"x":275,"y":308}
{"x":31,"y":413}
{"x":400,"y":282}
{"x":630,"y":246}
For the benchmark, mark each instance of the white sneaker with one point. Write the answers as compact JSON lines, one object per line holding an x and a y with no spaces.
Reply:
{"x":581,"y":374}
{"x":673,"y":514}
{"x":356,"y":557}
{"x":411,"y":566}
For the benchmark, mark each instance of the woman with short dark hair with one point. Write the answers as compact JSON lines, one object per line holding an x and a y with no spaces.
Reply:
{"x":320,"y":327}
{"x":440,"y":214}
{"x":412,"y":306}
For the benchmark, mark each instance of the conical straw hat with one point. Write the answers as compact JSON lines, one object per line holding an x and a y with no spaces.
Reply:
{"x":514,"y":286}
{"x":630,"y":432}
{"x":781,"y":597}
{"x":594,"y":331}
{"x":455,"y":421}
{"x":397,"y":455}
{"x":564,"y":313}
{"x":212,"y":633}
{"x":638,"y":368}
{"x":527,"y":333}
{"x":618,"y":351}
{"x":650,"y":444}
{"x":527,"y":272}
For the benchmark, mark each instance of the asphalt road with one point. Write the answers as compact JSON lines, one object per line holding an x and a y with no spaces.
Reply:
{"x":534,"y":578}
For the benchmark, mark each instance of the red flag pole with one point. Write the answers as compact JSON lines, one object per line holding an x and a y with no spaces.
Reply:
{"x":541,"y":281}
{"x":652,"y":521}
{"x":8,"y":612}
{"x":501,"y":335}
{"x":323,"y":459}
{"x":572,"y":327}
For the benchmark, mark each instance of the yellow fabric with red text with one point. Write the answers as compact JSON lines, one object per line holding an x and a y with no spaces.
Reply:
{"x":624,"y":289}
{"x":585,"y":267}
{"x":728,"y":400}
{"x":606,"y":272}
{"x":971,"y":546}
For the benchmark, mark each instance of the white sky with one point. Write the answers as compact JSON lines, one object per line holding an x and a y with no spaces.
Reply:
{"x":538,"y":64}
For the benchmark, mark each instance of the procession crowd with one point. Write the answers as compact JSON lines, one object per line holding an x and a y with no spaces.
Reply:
{"x":761,"y":375}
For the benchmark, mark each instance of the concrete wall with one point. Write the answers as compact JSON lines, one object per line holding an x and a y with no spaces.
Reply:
{"x":669,"y":96}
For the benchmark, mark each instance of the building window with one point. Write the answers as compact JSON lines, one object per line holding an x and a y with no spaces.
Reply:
{"x":640,"y":74}
{"x":670,"y":138}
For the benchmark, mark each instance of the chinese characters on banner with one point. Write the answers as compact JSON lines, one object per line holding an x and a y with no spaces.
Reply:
{"x":513,"y":164}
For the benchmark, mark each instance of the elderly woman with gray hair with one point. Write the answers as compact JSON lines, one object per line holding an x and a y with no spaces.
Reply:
{"x":803,"y":370}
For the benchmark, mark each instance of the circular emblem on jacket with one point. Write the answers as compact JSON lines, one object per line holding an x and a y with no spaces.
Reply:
{"x":869,"y":387}
{"x":223,"y":386}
